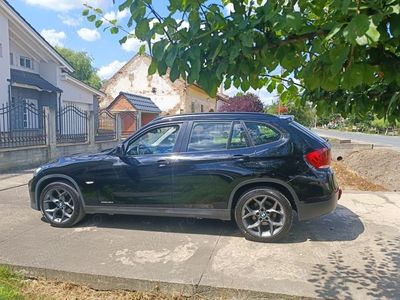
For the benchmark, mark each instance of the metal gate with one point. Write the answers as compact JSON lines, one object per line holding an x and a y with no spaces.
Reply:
{"x":22,"y":124}
{"x":105,"y":126}
{"x":72,"y":125}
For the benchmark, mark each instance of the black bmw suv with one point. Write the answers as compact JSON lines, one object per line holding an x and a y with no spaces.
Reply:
{"x":252,"y":167}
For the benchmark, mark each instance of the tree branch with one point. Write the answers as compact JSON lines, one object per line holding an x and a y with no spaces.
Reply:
{"x":295,"y":39}
{"x":283,"y":79}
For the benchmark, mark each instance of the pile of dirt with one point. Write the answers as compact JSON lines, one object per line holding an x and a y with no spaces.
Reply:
{"x":369,"y":170}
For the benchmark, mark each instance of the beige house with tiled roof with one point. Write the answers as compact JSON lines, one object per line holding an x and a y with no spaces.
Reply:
{"x":171,"y":97}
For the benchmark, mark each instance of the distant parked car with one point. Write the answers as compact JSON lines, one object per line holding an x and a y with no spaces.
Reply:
{"x":251,"y":167}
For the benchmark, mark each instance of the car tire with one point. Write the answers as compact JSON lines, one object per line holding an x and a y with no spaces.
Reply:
{"x":61,"y":204}
{"x":264,"y":215}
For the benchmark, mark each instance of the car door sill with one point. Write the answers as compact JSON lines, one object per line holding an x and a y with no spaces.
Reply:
{"x":222,"y":214}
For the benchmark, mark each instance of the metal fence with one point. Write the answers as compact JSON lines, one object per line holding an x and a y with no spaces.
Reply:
{"x":72,"y":125}
{"x":22,"y":124}
{"x":105,"y":126}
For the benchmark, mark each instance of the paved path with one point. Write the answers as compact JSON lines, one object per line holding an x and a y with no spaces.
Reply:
{"x":359,"y":137}
{"x":352,"y":253}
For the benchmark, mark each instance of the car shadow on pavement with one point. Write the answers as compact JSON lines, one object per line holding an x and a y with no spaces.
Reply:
{"x":340,"y":225}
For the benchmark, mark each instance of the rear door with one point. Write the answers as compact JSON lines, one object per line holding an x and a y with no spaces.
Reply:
{"x":216,"y":156}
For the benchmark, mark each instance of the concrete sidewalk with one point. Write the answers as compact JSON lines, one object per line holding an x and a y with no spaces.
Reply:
{"x":9,"y":180}
{"x":351,"y":253}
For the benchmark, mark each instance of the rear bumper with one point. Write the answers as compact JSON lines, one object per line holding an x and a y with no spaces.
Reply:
{"x":316,"y":209}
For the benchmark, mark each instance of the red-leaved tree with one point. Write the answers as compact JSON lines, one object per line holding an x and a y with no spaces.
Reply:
{"x":247,"y":102}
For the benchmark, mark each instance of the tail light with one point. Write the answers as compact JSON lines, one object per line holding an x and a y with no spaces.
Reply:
{"x":320,"y":158}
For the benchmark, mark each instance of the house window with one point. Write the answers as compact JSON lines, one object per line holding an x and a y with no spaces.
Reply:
{"x":192,"y":108}
{"x":26,"y":62}
{"x":11,"y":59}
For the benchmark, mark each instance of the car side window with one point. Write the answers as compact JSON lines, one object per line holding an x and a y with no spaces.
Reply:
{"x":206,"y":136}
{"x":155,"y":141}
{"x":239,"y":138}
{"x":261,"y":133}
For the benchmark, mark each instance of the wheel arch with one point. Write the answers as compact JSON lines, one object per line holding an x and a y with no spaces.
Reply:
{"x":44,"y":181}
{"x":277,"y":184}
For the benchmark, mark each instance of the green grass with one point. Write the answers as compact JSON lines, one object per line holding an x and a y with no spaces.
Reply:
{"x":10,"y":285}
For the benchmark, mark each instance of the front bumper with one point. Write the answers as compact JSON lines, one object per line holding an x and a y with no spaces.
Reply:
{"x":34,"y":202}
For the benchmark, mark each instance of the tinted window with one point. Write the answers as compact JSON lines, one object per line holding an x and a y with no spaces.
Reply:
{"x":239,"y":138}
{"x":155,"y":141}
{"x":261,"y":133}
{"x":206,"y":136}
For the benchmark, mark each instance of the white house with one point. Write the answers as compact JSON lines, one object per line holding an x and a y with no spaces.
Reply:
{"x":32,"y":72}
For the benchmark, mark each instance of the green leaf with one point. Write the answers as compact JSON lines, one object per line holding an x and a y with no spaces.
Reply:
{"x":194,"y":71}
{"x":215,"y":51}
{"x":228,"y":83}
{"x":271,"y":87}
{"x":98,"y":23}
{"x":247,"y":39}
{"x":245,"y":85}
{"x":153,"y":67}
{"x":234,"y":53}
{"x":169,"y":60}
{"x":329,"y":83}
{"x":280,"y":88}
{"x":141,"y":29}
{"x":114,"y":30}
{"x":159,"y":49}
{"x":345,"y":6}
{"x":357,"y":27}
{"x":338,"y":57}
{"x":244,"y":68}
{"x":333,"y":32}
{"x":293,"y":20}
{"x":85,"y":12}
{"x":221,"y":69}
{"x":99,"y":11}
{"x":394,"y":25}
{"x":174,"y":74}
{"x":162,"y":68}
{"x":236,"y":83}
{"x":123,"y":40}
{"x":353,"y":76}
{"x":142,"y":49}
{"x":91,"y":18}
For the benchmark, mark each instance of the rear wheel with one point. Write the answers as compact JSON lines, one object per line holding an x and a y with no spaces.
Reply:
{"x":61,"y":205}
{"x":263,"y":215}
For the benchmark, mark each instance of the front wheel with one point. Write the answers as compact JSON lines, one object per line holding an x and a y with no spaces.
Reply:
{"x":264,"y":215}
{"x":61,"y":205}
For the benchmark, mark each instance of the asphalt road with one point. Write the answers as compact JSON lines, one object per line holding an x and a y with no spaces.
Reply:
{"x":377,"y":140}
{"x":351,"y":253}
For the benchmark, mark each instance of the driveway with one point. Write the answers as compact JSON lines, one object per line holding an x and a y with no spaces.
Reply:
{"x":352,"y":253}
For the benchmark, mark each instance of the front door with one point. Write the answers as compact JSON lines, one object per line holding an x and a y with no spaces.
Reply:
{"x":143,"y":177}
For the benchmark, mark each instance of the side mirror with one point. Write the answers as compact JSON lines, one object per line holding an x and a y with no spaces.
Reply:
{"x":119,"y":151}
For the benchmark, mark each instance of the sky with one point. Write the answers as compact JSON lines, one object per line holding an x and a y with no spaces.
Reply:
{"x":61,"y":23}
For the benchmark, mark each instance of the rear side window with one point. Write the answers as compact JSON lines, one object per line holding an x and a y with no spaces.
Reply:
{"x":261,"y":133}
{"x":206,"y":136}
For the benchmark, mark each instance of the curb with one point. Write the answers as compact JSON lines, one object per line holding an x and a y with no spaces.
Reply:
{"x":103,"y":282}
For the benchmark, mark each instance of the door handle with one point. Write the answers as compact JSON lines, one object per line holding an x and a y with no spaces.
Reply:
{"x":162,"y":163}
{"x":240,"y":157}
